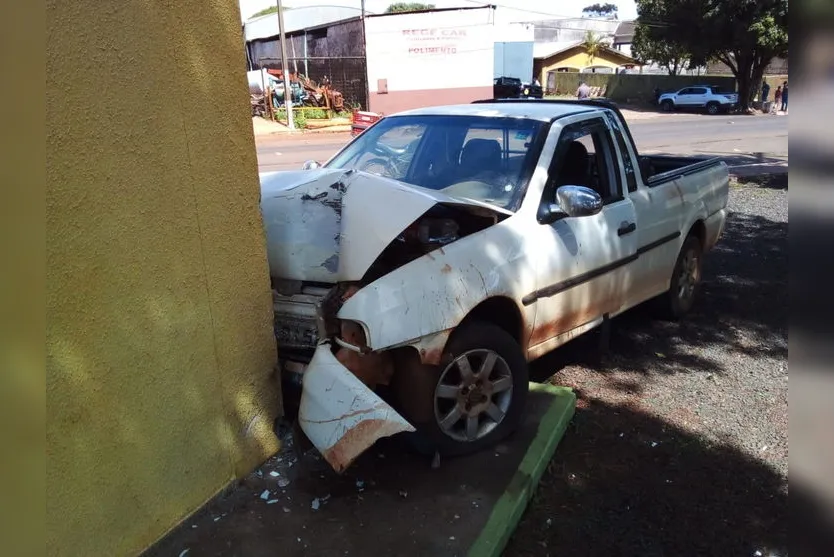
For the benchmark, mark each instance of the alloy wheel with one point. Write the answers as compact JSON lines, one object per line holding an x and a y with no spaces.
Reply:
{"x":473,"y":395}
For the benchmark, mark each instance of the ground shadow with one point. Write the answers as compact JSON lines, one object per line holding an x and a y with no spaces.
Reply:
{"x":742,"y":307}
{"x":626,"y":483}
{"x":774,"y":181}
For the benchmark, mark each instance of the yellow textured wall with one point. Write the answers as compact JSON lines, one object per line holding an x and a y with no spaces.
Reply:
{"x":579,"y":59}
{"x":160,"y":352}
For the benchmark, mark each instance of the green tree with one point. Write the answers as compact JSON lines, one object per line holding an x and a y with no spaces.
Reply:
{"x":269,"y":10}
{"x":402,"y":7}
{"x":744,"y":34}
{"x":607,"y":10}
{"x":666,"y":53}
{"x":593,"y":44}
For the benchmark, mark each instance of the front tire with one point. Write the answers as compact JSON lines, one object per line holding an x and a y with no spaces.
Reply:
{"x":685,"y":282}
{"x":478,"y":393}
{"x":667,"y":106}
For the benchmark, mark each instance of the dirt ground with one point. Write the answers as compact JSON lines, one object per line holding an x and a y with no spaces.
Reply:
{"x":390,"y":502}
{"x":679,"y":445}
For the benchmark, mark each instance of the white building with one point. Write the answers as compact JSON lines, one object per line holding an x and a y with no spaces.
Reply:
{"x":392,"y":62}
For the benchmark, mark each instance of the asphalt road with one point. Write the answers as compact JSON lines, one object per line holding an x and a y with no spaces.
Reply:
{"x":741,"y":140}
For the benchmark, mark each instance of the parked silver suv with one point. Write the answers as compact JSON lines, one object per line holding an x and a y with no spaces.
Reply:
{"x":709,"y":97}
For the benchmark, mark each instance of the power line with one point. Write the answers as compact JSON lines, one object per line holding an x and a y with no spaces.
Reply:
{"x":560,"y":16}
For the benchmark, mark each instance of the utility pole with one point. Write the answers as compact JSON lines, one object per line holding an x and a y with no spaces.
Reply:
{"x":365,"y":52}
{"x":285,"y":71}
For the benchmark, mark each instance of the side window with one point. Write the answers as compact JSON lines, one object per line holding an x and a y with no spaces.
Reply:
{"x":628,"y":165}
{"x":699,"y":91}
{"x":687,"y":91}
{"x":585,"y":156}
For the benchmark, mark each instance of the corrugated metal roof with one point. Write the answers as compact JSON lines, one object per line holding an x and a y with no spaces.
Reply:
{"x":624,"y":33}
{"x":296,"y":19}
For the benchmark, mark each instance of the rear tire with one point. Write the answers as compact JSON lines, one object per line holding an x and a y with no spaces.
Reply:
{"x":685,"y":282}
{"x":713,"y":108}
{"x":478,"y":393}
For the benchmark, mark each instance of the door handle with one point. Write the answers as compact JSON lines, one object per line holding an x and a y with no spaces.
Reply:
{"x":626,"y":228}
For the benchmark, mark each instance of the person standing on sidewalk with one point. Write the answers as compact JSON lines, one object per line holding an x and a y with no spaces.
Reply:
{"x":777,"y":99}
{"x":583,"y":92}
{"x":785,"y":97}
{"x":765,"y":91}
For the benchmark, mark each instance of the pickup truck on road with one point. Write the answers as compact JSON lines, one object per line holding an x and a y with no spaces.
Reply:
{"x":444,"y":248}
{"x":702,"y":97}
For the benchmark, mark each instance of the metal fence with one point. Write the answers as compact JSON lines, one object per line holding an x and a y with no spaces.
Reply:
{"x":335,"y":52}
{"x":348,"y":75}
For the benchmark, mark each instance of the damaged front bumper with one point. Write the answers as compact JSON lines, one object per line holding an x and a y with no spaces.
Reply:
{"x":340,"y":415}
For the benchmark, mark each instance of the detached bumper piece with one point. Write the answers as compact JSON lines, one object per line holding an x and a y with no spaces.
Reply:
{"x":340,"y":415}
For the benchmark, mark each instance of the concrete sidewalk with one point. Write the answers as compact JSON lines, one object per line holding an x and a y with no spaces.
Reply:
{"x":263,"y":127}
{"x":390,"y":502}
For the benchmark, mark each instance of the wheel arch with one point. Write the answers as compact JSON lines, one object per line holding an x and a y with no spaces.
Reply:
{"x":699,"y":230}
{"x":502,"y":312}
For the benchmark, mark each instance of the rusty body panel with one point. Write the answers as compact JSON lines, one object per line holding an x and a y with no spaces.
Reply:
{"x":596,"y":307}
{"x":340,"y":415}
{"x":431,"y":347}
{"x":372,"y":368}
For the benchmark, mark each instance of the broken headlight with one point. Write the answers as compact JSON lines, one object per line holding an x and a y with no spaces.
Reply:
{"x":432,"y":231}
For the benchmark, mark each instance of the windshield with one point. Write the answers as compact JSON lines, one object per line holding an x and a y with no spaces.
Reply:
{"x":485,"y":158}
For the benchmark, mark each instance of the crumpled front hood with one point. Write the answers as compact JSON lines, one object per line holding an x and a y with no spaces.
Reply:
{"x":330,"y":225}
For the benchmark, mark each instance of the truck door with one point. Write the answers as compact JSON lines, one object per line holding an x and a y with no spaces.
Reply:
{"x":658,"y":212}
{"x":699,"y":96}
{"x":686,"y":97}
{"x":583,"y":261}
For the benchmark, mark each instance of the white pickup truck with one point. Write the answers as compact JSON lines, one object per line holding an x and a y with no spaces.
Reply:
{"x":711,"y":98}
{"x":444,"y":248}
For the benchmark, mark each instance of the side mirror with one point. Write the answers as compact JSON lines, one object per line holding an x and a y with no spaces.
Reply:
{"x":571,"y":201}
{"x":310,"y":165}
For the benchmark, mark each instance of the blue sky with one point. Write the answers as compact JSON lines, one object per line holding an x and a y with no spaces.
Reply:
{"x":523,"y":9}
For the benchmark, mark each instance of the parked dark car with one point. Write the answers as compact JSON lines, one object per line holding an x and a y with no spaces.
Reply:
{"x":513,"y":88}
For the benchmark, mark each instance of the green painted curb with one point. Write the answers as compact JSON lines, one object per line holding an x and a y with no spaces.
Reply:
{"x":510,"y":506}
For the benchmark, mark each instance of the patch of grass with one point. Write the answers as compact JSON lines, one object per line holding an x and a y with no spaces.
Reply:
{"x":315,"y":114}
{"x":300,"y":120}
